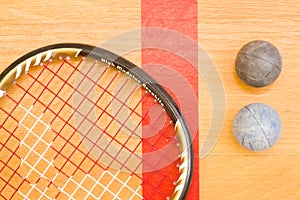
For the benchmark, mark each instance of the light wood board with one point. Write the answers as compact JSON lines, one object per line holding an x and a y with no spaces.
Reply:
{"x":229,"y":172}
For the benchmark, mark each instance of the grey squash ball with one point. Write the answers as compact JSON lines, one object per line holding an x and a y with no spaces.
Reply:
{"x":257,"y":127}
{"x":258,"y":63}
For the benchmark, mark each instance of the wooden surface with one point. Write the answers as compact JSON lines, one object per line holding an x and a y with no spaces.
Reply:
{"x":229,"y":172}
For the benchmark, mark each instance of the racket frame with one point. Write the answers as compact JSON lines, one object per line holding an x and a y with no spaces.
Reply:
{"x":65,"y":50}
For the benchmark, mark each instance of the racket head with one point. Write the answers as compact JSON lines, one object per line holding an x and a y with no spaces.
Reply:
{"x":80,"y":53}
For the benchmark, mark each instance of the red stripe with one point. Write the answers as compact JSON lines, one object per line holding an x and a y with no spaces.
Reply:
{"x":180,"y":16}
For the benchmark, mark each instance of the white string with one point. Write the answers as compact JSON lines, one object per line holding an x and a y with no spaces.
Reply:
{"x":89,"y":193}
{"x":120,"y":181}
{"x":136,"y":193}
{"x":106,"y":187}
{"x":32,"y":150}
{"x":59,"y":188}
{"x":51,"y":165}
{"x":37,"y":118}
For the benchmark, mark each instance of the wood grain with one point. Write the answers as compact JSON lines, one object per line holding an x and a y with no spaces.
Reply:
{"x":229,"y":172}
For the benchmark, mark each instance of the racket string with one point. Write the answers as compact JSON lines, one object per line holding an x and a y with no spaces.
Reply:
{"x":95,"y":83}
{"x":76,"y":148}
{"x":65,"y":103}
{"x":85,"y":98}
{"x":122,"y":124}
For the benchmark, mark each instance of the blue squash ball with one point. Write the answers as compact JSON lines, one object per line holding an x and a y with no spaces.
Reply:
{"x":257,"y":127}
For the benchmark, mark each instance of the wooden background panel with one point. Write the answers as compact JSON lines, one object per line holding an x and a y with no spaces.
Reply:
{"x":230,"y":172}
{"x":25,"y":25}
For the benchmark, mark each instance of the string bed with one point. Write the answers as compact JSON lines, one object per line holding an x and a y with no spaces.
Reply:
{"x":76,"y":127}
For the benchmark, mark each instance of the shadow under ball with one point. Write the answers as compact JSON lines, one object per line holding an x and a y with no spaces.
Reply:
{"x":258,"y":63}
